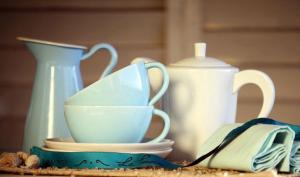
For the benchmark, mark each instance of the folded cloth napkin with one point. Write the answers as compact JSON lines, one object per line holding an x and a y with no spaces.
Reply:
{"x":258,"y":148}
{"x":295,"y":157}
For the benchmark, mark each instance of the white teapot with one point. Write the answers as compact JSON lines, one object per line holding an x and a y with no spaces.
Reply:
{"x":202,"y":96}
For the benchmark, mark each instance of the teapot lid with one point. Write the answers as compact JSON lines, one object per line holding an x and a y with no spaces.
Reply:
{"x":200,"y":60}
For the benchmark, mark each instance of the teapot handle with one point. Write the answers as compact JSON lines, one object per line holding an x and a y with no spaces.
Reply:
{"x":113,"y":59}
{"x":263,"y":81}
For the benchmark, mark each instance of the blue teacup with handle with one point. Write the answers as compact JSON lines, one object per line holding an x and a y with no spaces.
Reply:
{"x":113,"y":124}
{"x":126,"y":87}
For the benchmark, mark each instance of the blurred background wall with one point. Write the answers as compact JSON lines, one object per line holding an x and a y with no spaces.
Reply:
{"x":256,"y":34}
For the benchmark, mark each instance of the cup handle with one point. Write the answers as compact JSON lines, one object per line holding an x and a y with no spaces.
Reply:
{"x":165,"y":84}
{"x":263,"y":81}
{"x":166,"y":129}
{"x":113,"y":59}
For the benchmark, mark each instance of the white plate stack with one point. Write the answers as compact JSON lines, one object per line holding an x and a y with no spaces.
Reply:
{"x":161,"y":149}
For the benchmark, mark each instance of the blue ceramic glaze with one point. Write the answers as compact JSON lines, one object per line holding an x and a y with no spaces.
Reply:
{"x":113,"y":124}
{"x":126,"y":87}
{"x":57,"y":78}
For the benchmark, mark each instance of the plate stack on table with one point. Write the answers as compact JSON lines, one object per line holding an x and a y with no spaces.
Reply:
{"x":161,"y":149}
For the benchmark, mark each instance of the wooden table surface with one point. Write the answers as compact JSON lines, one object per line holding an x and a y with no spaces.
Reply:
{"x":185,"y":172}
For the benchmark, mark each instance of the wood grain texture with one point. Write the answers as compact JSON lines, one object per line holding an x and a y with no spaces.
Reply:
{"x":82,"y":28}
{"x":81,"y":4}
{"x":242,"y":50}
{"x":255,"y":15}
{"x":184,"y":23}
{"x":14,"y":101}
{"x":255,"y":49}
{"x":182,"y":172}
{"x":285,"y":112}
{"x":11,"y":134}
{"x":286,"y":85}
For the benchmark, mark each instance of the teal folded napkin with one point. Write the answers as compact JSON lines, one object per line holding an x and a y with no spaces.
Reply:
{"x":258,"y":148}
{"x":295,"y":157}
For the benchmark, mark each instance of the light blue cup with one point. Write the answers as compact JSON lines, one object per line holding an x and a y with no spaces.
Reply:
{"x":113,"y":124}
{"x":126,"y":87}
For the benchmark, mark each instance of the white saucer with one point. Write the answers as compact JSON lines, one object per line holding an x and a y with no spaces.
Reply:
{"x":161,"y":153}
{"x":69,"y":145}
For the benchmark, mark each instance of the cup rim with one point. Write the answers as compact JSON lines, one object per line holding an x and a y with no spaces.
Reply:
{"x":108,"y":77}
{"x":110,"y":107}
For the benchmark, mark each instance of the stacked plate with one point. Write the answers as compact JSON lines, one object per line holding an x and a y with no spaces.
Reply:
{"x":161,"y":149}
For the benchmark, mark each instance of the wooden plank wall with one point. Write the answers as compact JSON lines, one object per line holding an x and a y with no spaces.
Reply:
{"x":254,"y":34}
{"x":263,"y":35}
{"x":134,"y":27}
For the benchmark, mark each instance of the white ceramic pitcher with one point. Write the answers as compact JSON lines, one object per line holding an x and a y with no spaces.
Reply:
{"x":202,"y":96}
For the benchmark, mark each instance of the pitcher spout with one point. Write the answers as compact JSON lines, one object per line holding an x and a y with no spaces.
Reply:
{"x":47,"y":50}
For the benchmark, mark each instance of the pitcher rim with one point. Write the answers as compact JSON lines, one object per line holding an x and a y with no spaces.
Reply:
{"x":50,"y":43}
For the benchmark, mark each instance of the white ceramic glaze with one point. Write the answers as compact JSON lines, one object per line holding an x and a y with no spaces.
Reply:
{"x":69,"y":144}
{"x":202,"y":96}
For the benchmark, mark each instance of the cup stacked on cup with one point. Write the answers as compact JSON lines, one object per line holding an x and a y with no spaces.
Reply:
{"x":116,"y":109}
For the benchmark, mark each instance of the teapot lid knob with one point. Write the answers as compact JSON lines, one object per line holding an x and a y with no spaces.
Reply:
{"x":200,"y":60}
{"x":200,"y":49}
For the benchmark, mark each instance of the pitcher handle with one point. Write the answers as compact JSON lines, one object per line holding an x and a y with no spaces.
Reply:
{"x":165,"y":84}
{"x":263,"y":81}
{"x":113,"y":59}
{"x":164,"y":116}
